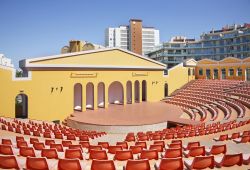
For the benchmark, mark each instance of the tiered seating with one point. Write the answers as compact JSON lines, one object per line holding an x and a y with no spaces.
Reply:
{"x":45,"y":145}
{"x":47,"y":130}
{"x":210,"y":96}
{"x":185,"y":131}
{"x":173,"y":155}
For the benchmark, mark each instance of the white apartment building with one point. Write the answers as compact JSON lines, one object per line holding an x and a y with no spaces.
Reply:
{"x":121,"y":37}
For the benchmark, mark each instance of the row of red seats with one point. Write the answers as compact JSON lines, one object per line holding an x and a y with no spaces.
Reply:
{"x":199,"y":162}
{"x":188,"y":131}
{"x":46,"y":130}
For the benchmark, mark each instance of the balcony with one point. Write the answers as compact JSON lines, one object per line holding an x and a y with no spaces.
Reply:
{"x":172,"y":54}
{"x":171,"y":61}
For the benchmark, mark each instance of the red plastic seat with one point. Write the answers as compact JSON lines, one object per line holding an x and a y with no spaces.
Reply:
{"x":104,"y":145}
{"x":159,"y":148}
{"x":39,"y":145}
{"x":142,"y":164}
{"x":49,"y":141}
{"x":75,"y":146}
{"x":114,"y":149}
{"x":49,"y":153}
{"x":20,"y":138}
{"x":123,"y":155}
{"x":46,"y":135}
{"x":156,"y":137}
{"x":84,"y":138}
{"x":123,"y":144}
{"x":136,"y":149}
{"x":143,"y":138}
{"x":21,"y":144}
{"x":67,"y":164}
{"x":217,"y":149}
{"x":142,"y":143}
{"x":98,"y":154}
{"x":59,"y":136}
{"x":8,"y":162}
{"x":243,"y":139}
{"x":195,"y":151}
{"x":6,"y":150}
{"x":130,"y":138}
{"x":71,"y":137}
{"x":160,"y":142}
{"x":26,"y":132}
{"x":102,"y":165}
{"x":73,"y":154}
{"x":229,"y":160}
{"x":177,"y":141}
{"x":27,"y":151}
{"x":85,"y":144}
{"x":37,"y":163}
{"x":95,"y":147}
{"x":200,"y":162}
{"x":173,"y":153}
{"x":6,"y":141}
{"x":3,"y":127}
{"x":66,"y":143}
{"x":235,"y":135}
{"x":149,"y":154}
{"x":222,"y":138}
{"x":58,"y":147}
{"x":36,"y":133}
{"x":246,"y":132}
{"x":171,"y":164}
{"x":191,"y":144}
{"x":169,"y":136}
{"x":175,"y":145}
{"x":33,"y":140}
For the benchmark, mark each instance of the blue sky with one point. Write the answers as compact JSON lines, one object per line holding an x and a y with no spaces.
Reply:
{"x":33,"y":28}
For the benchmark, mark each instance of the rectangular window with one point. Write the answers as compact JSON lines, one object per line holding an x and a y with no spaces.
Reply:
{"x":208,"y":74}
{"x":239,"y":72}
{"x":231,"y":72}
{"x":200,"y":72}
{"x":165,"y":72}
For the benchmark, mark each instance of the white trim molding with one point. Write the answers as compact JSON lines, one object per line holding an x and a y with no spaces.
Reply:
{"x":28,"y":63}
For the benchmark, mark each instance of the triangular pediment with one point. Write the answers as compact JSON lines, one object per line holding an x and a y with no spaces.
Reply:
{"x":207,"y":61}
{"x":105,"y":58}
{"x":230,"y":60}
{"x":246,"y":60}
{"x":190,"y":63}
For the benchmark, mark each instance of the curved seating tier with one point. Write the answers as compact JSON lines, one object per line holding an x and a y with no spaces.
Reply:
{"x":210,"y":96}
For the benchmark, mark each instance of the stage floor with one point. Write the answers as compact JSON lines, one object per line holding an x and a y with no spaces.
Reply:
{"x":145,"y":113}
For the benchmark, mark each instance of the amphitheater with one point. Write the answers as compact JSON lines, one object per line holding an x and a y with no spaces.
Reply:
{"x":206,"y":126}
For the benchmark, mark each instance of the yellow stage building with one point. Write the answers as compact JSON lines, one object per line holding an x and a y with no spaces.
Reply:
{"x":229,"y":68}
{"x":56,"y":86}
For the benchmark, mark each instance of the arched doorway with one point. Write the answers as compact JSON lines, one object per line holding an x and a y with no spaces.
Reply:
{"x":90,"y":96}
{"x":115,"y":93}
{"x":78,"y":97}
{"x":21,"y":106}
{"x":129,"y":92}
{"x":144,"y":90}
{"x":137,"y":91}
{"x":166,"y":90}
{"x":101,"y":95}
